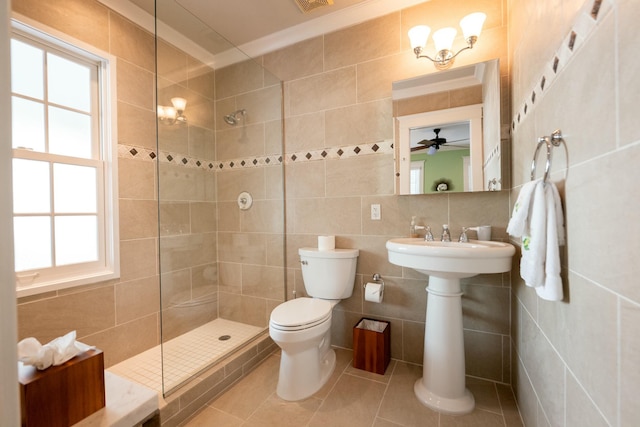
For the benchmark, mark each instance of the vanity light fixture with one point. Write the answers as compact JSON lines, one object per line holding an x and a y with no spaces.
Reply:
{"x":443,"y":38}
{"x":173,"y":114}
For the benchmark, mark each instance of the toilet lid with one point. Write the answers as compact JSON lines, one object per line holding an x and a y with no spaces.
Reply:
{"x":300,"y":312}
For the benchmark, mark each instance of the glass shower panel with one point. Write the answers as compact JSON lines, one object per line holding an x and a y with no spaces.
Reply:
{"x":221,"y":267}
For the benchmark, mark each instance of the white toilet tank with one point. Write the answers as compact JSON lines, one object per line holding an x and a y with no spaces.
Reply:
{"x":329,"y":274}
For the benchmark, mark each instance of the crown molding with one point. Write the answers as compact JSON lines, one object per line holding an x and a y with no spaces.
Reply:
{"x":343,"y":18}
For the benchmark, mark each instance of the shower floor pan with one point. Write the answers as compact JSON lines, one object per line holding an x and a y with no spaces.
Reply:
{"x":186,"y":355}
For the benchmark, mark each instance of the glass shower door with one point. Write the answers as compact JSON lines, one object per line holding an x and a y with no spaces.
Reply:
{"x":219,"y":136}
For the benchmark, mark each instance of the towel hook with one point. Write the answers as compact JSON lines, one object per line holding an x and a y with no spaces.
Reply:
{"x":550,"y":141}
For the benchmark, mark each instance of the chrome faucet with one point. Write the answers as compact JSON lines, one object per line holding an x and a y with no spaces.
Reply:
{"x":463,"y":237}
{"x":446,"y":234}
{"x":428,"y":236}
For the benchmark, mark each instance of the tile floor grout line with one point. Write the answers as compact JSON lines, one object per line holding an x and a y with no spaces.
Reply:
{"x":384,"y":394}
{"x":273,"y":411}
{"x":328,"y":392}
{"x":504,"y":419}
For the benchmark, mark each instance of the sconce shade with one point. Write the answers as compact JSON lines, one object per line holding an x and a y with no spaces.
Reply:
{"x":175,"y":114}
{"x":170,"y":113}
{"x":418,"y":36}
{"x":179,"y":103}
{"x":472,"y":24}
{"x":443,"y":38}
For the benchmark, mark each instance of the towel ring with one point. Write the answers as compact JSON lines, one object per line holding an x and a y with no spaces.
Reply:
{"x":554,"y":140}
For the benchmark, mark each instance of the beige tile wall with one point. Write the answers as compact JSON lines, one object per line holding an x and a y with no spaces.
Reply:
{"x":187,"y":196}
{"x":338,"y":93}
{"x":576,"y":360}
{"x":250,"y":242}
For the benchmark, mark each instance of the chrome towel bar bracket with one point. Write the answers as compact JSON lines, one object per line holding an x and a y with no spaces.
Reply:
{"x":550,"y":141}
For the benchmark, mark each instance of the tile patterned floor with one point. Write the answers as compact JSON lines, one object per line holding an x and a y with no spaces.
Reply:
{"x":351,"y":398}
{"x":185,"y":355}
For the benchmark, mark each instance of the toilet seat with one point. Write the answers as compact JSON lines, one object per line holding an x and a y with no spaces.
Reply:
{"x":300,"y":313}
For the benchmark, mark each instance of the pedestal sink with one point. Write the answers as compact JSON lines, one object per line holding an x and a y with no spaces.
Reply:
{"x":442,"y":386}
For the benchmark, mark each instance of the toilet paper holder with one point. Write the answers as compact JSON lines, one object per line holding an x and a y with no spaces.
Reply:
{"x":376,"y":279}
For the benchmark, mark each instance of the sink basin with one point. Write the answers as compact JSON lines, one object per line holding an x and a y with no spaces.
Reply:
{"x":459,"y":259}
{"x":442,"y":386}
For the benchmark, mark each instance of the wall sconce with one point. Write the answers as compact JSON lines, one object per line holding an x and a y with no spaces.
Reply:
{"x":175,"y":114}
{"x":443,"y":38}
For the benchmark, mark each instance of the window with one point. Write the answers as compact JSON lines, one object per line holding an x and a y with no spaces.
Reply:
{"x":64,"y":164}
{"x":416,"y":177}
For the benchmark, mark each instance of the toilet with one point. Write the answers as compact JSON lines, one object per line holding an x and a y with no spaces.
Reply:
{"x":302,"y":327}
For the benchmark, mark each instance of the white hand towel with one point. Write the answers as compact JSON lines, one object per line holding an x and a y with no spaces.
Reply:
{"x":517,"y":223}
{"x":534,"y":239}
{"x":557,"y":203}
{"x":551,"y":290}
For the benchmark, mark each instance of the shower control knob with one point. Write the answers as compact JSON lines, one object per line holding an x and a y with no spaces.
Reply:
{"x":245,"y":201}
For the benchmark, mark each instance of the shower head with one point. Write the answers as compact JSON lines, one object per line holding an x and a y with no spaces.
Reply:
{"x":233,"y":119}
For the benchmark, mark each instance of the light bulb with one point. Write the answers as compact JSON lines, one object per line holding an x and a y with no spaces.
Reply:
{"x":431,"y":150}
{"x":179,"y":103}
{"x":472,"y":24}
{"x":170,"y":113}
{"x":443,"y":38}
{"x":418,"y":36}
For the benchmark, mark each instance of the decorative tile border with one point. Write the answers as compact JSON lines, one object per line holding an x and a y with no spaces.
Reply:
{"x":495,"y":152}
{"x":586,"y":22}
{"x":145,"y":154}
{"x":381,"y":147}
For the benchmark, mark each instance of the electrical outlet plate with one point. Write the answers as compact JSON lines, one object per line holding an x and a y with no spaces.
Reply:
{"x":375,"y":212}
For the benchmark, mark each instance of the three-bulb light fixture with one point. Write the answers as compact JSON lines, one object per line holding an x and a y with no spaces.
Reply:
{"x":173,"y":114}
{"x":443,"y":38}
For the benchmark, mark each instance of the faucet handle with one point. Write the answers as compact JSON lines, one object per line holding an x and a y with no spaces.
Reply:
{"x":446,"y":234}
{"x":463,"y":237}
{"x":428,"y":236}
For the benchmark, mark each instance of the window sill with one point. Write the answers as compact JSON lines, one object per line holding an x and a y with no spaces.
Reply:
{"x":56,"y":285}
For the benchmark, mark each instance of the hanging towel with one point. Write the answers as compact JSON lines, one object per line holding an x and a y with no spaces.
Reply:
{"x":521,"y":209}
{"x":534,"y":239}
{"x":541,"y":227}
{"x":552,"y":288}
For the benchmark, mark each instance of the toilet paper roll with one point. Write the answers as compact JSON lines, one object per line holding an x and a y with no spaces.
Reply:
{"x":326,"y":243}
{"x":373,"y":292}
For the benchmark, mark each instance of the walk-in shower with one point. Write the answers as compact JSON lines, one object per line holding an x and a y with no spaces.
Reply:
{"x":221,"y":270}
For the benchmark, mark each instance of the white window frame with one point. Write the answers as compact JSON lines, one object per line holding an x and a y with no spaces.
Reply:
{"x":108,"y":266}
{"x":417,"y":165}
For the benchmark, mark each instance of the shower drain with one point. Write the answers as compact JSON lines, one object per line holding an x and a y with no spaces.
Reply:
{"x":224,"y":337}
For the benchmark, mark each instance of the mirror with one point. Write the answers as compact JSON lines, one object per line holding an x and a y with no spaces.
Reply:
{"x":447,"y":131}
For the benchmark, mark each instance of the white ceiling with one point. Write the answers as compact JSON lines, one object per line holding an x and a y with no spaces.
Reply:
{"x":254,"y":26}
{"x":243,"y":21}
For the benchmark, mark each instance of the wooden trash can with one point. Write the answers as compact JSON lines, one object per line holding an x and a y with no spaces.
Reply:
{"x":372,"y":345}
{"x":63,"y":395}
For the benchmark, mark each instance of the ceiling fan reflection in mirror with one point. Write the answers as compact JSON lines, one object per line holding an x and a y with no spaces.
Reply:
{"x":434,"y":144}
